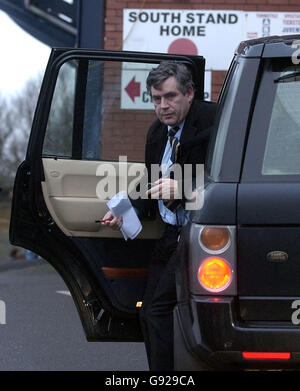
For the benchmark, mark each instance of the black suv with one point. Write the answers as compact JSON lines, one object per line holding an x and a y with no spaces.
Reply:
{"x":238,"y":284}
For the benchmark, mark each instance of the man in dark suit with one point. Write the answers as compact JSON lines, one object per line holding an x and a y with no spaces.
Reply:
{"x":179,"y":135}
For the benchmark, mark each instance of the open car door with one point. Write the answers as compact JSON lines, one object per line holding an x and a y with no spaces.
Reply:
{"x":93,"y":108}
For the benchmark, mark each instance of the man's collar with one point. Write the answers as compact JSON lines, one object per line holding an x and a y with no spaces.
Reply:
{"x":180,"y":125}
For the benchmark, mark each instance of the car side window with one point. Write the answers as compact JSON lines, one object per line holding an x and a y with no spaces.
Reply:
{"x":100,"y":110}
{"x":281,"y":156}
{"x":272,"y":153}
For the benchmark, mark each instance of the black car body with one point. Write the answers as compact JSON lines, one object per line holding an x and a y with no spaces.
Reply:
{"x":250,"y":202}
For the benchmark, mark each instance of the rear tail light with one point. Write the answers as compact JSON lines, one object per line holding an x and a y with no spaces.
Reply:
{"x":267,"y":355}
{"x":215,"y":274}
{"x":215,"y":239}
{"x":212,"y":258}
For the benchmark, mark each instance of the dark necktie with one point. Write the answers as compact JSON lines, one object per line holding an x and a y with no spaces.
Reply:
{"x":174,"y":143}
{"x":173,"y":205}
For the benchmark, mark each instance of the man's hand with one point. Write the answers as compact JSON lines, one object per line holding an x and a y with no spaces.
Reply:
{"x":113,"y":222}
{"x":164,"y":189}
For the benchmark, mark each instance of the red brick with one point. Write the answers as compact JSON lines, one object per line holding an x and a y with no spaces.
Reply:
{"x":204,"y":6}
{"x":296,"y":2}
{"x":225,"y":7}
{"x":137,"y":4}
{"x":119,"y":12}
{"x":138,"y":125}
{"x":117,"y":4}
{"x":110,"y":12}
{"x":114,"y":20}
{"x":199,"y":2}
{"x":123,"y":117}
{"x":123,"y":147}
{"x":267,"y":8}
{"x":277,"y":2}
{"x":109,"y":43}
{"x":110,"y":27}
{"x":222,"y":2}
{"x":289,"y":8}
{"x":113,"y":34}
{"x":257,"y":2}
{"x":108,"y":79}
{"x":248,"y":7}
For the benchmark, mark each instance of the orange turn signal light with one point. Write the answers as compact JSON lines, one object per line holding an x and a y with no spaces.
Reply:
{"x":215,"y":238}
{"x":215,"y":274}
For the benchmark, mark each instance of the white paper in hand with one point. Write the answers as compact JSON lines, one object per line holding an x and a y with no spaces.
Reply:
{"x":120,"y":205}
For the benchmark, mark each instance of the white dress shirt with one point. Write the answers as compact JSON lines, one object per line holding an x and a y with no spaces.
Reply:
{"x":168,"y":216}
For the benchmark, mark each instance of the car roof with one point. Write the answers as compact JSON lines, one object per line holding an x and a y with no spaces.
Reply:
{"x":280,"y":46}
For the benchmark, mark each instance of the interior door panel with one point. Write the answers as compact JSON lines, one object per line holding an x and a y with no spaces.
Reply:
{"x":70,"y":194}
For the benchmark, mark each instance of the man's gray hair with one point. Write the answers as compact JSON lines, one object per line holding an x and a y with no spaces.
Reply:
{"x":167,"y":69}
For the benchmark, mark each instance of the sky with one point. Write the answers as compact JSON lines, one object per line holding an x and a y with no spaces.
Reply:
{"x":22,"y":56}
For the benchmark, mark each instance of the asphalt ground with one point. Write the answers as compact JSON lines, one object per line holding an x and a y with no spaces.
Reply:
{"x":42,"y":330}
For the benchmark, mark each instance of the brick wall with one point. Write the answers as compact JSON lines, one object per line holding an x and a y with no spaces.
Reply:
{"x":133,"y":123}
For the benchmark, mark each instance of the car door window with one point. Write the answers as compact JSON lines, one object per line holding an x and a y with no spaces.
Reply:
{"x":59,"y":133}
{"x":100,"y":110}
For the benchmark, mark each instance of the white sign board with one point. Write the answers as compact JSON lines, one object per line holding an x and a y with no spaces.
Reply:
{"x":210,"y":33}
{"x":134,"y":94}
{"x":263,"y":24}
{"x":185,"y":32}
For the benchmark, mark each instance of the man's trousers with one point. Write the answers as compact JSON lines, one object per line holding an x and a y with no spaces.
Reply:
{"x":156,"y":314}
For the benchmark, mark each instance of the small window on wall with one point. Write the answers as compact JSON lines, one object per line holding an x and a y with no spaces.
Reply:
{"x":100,"y":110}
{"x":282,"y":152}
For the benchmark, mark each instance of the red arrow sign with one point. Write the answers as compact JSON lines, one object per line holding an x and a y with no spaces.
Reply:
{"x":133,"y":89}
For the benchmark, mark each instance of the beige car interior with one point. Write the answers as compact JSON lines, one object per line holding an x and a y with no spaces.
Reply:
{"x":70,"y":194}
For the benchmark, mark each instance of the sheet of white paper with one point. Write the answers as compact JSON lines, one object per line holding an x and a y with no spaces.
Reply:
{"x":120,"y":205}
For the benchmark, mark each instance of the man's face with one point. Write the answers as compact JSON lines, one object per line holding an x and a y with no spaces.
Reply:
{"x":171,"y":105}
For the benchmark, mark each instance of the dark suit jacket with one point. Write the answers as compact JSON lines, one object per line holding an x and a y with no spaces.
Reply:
{"x":193,"y":144}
